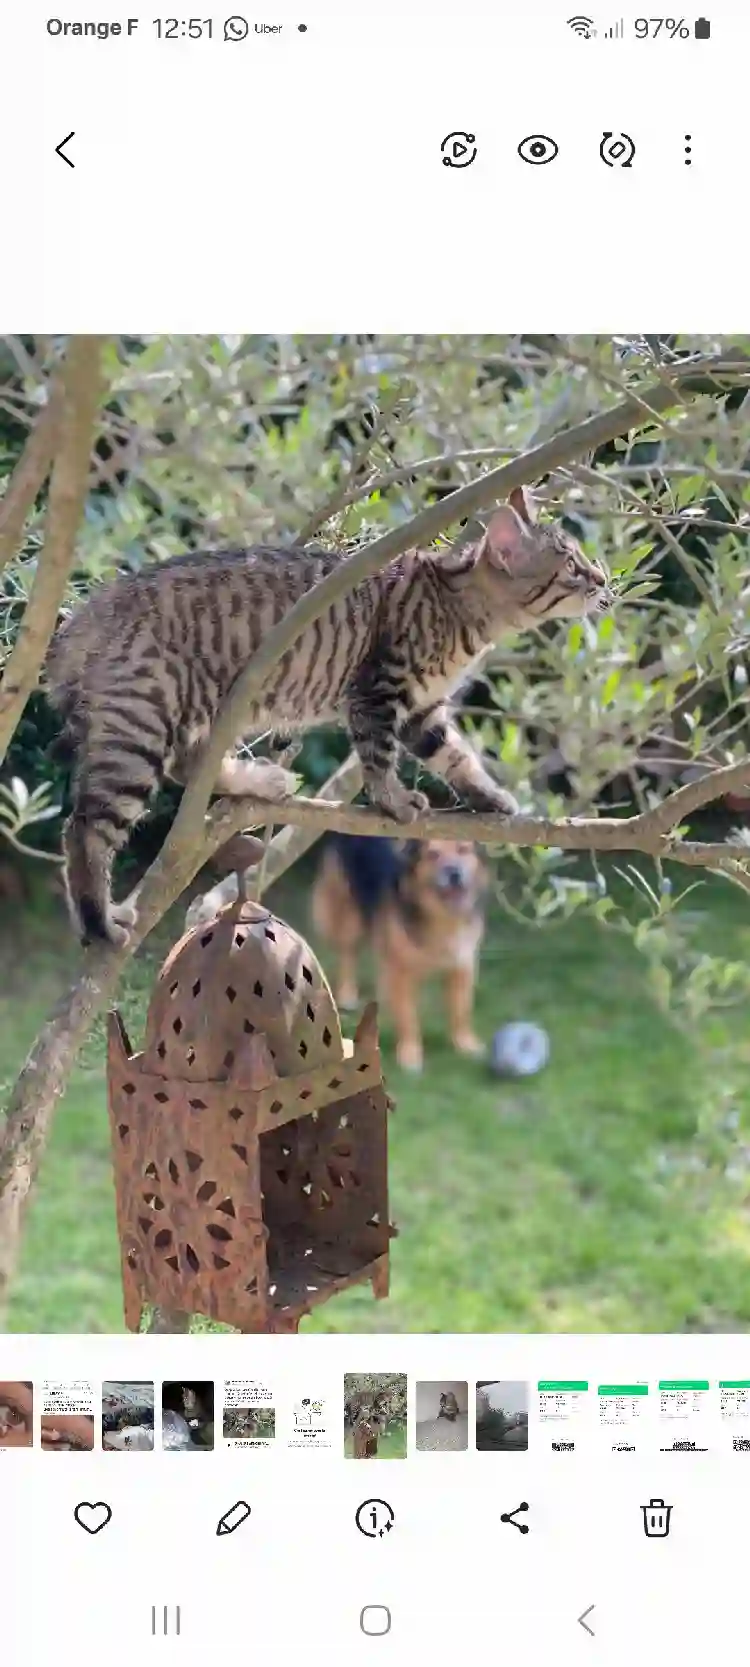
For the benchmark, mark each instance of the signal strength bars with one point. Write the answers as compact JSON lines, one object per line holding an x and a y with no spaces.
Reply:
{"x":584,"y":27}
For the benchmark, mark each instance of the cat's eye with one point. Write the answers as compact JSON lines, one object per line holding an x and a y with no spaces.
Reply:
{"x":571,"y":566}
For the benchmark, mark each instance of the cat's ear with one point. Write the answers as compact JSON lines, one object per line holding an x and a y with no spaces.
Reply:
{"x":505,"y":543}
{"x":502,"y":542}
{"x":521,"y":500}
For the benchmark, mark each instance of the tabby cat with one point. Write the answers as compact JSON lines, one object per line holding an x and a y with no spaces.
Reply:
{"x":140,"y":670}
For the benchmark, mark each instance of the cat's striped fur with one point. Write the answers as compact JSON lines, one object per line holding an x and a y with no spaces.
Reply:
{"x":139,"y":672}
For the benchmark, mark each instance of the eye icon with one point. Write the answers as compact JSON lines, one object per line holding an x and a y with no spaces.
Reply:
{"x":538,"y":149}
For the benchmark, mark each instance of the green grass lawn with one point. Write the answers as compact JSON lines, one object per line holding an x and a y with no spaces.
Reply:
{"x":610,"y":1193}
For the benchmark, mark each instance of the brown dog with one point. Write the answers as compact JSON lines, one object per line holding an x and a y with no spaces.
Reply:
{"x":422,"y":908}
{"x":368,"y":1416}
{"x":365,"y":1438}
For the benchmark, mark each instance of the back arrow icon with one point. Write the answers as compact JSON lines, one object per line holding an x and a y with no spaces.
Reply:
{"x":582,"y":1619}
{"x":59,"y":149}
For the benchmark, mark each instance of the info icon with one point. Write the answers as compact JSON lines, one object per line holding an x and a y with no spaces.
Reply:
{"x":459,"y":150}
{"x":375,"y":1518}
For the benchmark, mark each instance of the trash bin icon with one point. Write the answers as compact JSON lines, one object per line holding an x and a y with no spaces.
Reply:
{"x":656,"y":1518}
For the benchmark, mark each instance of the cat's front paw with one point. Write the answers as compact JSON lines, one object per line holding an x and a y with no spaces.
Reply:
{"x":399,"y":802}
{"x":492,"y":801}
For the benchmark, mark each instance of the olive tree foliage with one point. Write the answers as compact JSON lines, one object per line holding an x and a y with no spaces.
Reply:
{"x":215,"y":440}
{"x":370,"y":445}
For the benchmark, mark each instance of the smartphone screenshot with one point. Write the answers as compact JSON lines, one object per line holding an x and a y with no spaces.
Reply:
{"x":374,"y":834}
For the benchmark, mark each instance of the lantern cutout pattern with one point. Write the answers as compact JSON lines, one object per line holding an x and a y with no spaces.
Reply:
{"x":249,"y":1138}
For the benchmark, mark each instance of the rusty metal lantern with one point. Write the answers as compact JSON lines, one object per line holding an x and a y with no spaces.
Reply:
{"x":249,"y":1138}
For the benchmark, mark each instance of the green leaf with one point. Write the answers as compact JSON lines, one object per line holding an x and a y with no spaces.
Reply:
{"x":688,"y":491}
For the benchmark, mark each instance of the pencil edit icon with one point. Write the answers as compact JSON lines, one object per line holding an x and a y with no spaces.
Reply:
{"x":233,"y":1518}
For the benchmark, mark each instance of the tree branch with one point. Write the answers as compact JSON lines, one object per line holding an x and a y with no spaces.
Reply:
{"x":79,"y":399}
{"x":406,"y":472}
{"x":650,"y":832}
{"x":703,"y":791}
{"x":29,"y":475}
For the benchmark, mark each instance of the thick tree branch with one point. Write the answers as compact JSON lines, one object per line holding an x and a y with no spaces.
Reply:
{"x":29,"y":475}
{"x":80,"y":395}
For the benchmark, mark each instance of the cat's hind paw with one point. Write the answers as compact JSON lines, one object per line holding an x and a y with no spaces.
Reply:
{"x":256,"y":778}
{"x":273,"y":782}
{"x":114,"y":928}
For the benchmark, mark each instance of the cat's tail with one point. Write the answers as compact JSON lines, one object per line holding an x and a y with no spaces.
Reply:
{"x":89,"y":853}
{"x":113,"y":782}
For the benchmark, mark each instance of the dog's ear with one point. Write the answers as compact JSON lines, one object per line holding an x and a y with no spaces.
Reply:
{"x":410,"y":852}
{"x":483,"y":862}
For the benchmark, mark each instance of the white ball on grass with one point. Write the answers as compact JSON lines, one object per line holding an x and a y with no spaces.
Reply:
{"x":519,"y":1050}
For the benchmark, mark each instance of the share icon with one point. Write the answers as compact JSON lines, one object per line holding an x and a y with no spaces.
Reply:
{"x":510,"y":1516}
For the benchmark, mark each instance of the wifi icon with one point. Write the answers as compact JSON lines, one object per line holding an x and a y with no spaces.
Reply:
{"x":583,"y":26}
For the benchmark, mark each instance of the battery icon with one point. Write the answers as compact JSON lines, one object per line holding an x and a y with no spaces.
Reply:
{"x":702,"y":29}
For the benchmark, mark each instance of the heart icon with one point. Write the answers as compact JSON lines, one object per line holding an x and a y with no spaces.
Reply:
{"x":93,"y":1517}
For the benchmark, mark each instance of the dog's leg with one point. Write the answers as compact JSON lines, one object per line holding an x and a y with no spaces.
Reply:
{"x":347,"y":994}
{"x":459,"y":992}
{"x":400,"y":994}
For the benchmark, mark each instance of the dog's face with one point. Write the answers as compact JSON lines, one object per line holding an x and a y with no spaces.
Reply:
{"x":447,"y":874}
